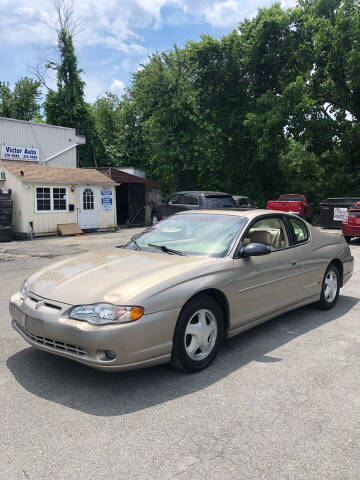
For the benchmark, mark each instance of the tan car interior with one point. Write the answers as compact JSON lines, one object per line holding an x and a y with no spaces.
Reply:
{"x":268,"y":231}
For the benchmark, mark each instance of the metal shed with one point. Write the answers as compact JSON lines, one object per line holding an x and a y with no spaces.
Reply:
{"x":135,"y":197}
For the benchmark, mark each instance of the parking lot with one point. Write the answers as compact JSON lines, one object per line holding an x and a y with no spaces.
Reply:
{"x":282,"y":401}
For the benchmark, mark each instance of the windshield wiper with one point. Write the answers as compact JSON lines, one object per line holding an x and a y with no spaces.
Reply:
{"x":137,"y":246}
{"x":165,"y":249}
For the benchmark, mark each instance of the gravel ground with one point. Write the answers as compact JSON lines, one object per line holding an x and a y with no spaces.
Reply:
{"x":282,"y":401}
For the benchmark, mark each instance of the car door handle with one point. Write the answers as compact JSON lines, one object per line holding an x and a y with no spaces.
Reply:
{"x":294,"y":262}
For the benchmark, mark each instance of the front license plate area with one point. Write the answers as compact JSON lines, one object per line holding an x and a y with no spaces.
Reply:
{"x":34,"y":326}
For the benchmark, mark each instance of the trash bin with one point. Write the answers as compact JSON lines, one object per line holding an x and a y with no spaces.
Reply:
{"x":332,"y":211}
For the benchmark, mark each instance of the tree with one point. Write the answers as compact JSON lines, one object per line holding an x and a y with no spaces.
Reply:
{"x":21,"y":103}
{"x":66,"y":106}
{"x":26,"y":99}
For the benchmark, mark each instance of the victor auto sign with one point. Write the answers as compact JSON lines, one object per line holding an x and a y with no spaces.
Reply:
{"x":19,"y":153}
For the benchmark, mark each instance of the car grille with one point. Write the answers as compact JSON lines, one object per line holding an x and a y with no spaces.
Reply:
{"x":49,"y":342}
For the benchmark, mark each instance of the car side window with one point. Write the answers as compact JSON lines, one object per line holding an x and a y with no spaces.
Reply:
{"x":175,"y":200}
{"x":269,"y":231}
{"x":301,"y":233}
{"x":189,"y":200}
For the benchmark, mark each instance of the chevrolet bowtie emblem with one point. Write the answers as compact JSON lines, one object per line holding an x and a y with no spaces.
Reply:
{"x":38,"y":305}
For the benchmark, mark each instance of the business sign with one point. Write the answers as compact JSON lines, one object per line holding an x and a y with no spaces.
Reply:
{"x":28,"y":154}
{"x":339,"y":214}
{"x":106,"y":199}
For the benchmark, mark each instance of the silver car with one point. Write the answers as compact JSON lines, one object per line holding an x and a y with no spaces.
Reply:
{"x":174,"y":292}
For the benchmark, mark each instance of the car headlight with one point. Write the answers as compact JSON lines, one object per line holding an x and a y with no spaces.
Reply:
{"x":106,"y":313}
{"x":24,"y":292}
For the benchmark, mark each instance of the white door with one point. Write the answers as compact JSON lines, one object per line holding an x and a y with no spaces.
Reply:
{"x":88,"y":211}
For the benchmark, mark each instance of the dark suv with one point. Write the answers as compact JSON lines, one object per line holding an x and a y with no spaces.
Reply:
{"x":192,"y":200}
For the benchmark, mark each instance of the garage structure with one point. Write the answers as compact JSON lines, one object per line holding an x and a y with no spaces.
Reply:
{"x":136,"y":195}
{"x":39,"y":164}
{"x":44,"y":197}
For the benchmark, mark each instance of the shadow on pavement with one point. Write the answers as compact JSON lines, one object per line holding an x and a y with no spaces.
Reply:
{"x":106,"y":394}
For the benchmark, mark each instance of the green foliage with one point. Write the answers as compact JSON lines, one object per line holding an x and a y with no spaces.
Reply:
{"x":66,"y":105}
{"x":21,"y":103}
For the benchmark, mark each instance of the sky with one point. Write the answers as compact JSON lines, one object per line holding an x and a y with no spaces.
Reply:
{"x":116,"y":36}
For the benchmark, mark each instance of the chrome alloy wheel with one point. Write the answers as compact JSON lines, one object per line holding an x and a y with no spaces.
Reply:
{"x":330,"y":286}
{"x":200,"y":334}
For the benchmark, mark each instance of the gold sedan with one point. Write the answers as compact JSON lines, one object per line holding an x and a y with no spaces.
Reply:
{"x":174,"y":292}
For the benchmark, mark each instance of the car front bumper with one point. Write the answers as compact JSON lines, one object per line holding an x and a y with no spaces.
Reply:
{"x":143,"y":343}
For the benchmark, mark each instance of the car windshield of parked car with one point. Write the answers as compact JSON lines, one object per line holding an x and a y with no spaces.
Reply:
{"x":192,"y":234}
{"x":219,"y":202}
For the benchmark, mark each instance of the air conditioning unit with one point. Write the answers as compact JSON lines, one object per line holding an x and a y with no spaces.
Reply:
{"x":2,"y":175}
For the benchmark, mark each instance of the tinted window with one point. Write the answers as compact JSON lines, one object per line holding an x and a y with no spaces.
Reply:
{"x":175,"y":199}
{"x":219,"y":202}
{"x":243,"y":201}
{"x":301,"y":233}
{"x":189,"y":200}
{"x":291,"y":198}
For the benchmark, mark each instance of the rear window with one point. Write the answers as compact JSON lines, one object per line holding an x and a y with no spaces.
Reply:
{"x":291,"y":198}
{"x":220,"y":202}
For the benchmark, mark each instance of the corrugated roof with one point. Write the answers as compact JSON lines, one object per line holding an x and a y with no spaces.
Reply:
{"x":124,"y":177}
{"x":39,"y":173}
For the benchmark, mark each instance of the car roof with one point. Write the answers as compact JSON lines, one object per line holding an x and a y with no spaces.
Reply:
{"x":232,"y":211}
{"x":202,"y":192}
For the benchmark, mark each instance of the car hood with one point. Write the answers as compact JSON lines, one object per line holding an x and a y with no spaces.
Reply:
{"x":114,"y":275}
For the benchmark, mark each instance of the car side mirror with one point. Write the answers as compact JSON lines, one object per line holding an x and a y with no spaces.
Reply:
{"x":253,"y":250}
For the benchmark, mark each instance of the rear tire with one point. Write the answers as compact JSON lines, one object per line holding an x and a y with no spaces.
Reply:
{"x":330,"y":288}
{"x":198,"y":334}
{"x":347,"y":238}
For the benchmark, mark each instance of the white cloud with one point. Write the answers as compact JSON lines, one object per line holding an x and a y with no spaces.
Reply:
{"x":117,"y":86}
{"x":222,"y":14}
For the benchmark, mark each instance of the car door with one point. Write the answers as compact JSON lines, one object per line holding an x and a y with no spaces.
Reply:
{"x":314,"y":263}
{"x":267,"y":284}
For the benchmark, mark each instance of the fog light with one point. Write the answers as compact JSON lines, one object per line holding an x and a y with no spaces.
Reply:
{"x":110,"y":354}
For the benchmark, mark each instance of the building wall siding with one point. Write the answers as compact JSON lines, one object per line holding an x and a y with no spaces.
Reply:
{"x":49,"y":139}
{"x":47,"y":222}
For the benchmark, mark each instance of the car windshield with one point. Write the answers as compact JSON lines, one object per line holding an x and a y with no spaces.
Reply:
{"x":191,"y":234}
{"x":220,"y":202}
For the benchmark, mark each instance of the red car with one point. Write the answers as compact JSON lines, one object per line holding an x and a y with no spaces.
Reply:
{"x":292,"y":203}
{"x":351,"y":222}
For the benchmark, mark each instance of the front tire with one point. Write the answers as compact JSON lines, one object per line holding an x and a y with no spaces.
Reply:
{"x":154,"y":218}
{"x":330,"y":288}
{"x":347,"y":238}
{"x":198,"y":334}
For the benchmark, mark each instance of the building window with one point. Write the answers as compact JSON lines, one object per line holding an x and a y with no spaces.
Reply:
{"x":59,"y":198}
{"x":88,"y":199}
{"x":43,"y":199}
{"x":51,"y":199}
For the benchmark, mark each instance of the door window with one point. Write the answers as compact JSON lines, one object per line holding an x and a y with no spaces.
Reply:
{"x":88,"y":199}
{"x":269,"y":231}
{"x":175,"y":200}
{"x":189,"y":200}
{"x":301,"y":233}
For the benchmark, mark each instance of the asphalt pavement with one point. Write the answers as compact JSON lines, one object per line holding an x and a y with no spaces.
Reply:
{"x":282,"y":401}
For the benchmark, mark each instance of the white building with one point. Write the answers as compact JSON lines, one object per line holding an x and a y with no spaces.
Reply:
{"x":38,"y":162}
